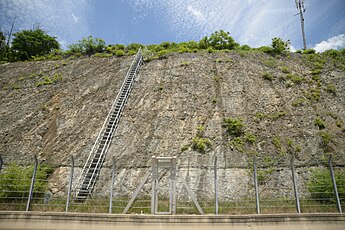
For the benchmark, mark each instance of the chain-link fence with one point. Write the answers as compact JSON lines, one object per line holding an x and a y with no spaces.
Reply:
{"x":263,"y":185}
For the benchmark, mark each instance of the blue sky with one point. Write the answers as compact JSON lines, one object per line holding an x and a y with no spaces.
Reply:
{"x":252,"y":22}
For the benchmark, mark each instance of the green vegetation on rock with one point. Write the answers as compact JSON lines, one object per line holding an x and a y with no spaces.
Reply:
{"x":234,"y":127}
{"x":15,"y":180}
{"x":320,"y":184}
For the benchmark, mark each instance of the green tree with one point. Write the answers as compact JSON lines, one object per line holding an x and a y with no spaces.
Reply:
{"x":279,"y":46}
{"x":29,"y":43}
{"x":88,"y":46}
{"x":222,"y":40}
{"x":3,"y":47}
{"x":204,"y":43}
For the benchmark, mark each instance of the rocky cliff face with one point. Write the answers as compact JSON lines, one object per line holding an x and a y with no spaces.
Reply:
{"x":288,"y":105}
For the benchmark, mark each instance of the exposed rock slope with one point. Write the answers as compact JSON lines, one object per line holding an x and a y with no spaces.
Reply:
{"x":281,"y":100}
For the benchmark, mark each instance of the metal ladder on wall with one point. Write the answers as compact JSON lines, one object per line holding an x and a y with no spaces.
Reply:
{"x":99,"y":150}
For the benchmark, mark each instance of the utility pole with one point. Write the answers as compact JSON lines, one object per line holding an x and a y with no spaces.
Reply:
{"x":301,"y":8}
{"x":10,"y":33}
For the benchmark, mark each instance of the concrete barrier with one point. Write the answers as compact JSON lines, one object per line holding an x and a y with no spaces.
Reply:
{"x":85,"y":221}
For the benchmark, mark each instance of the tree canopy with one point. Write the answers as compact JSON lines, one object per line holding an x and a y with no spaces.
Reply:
{"x":3,"y":46}
{"x":36,"y":45}
{"x":30,"y":43}
{"x":219,"y":40}
{"x":279,"y":46}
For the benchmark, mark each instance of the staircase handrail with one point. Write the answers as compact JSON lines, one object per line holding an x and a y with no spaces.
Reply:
{"x":138,"y":55}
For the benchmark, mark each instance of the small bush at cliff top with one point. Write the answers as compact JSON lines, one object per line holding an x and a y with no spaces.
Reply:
{"x":134,"y":47}
{"x":309,"y":51}
{"x":88,"y":46}
{"x":119,"y":53}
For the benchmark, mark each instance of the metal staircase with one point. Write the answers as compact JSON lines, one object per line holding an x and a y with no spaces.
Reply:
{"x":98,"y":152}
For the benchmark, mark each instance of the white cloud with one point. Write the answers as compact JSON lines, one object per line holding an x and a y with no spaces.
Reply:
{"x":57,"y":17}
{"x":292,"y":49}
{"x":249,"y":22}
{"x":336,"y":42}
{"x":75,"y":18}
{"x":64,"y":44}
{"x":195,"y":13}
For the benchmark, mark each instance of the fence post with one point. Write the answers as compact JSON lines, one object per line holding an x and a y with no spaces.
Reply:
{"x":70,"y":184}
{"x":1,"y":163}
{"x":256,"y":188}
{"x":33,"y":180}
{"x":215,"y":185}
{"x":334,"y":184}
{"x":112,"y":187}
{"x":298,"y":207}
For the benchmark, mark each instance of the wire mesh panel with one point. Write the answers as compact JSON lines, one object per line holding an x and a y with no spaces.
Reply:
{"x":142,"y":202}
{"x":317,"y":194}
{"x":42,"y":198}
{"x":15,"y":184}
{"x":21,"y":187}
{"x":123,"y":189}
{"x":93,"y":204}
{"x":236,"y":191}
{"x":276,"y":194}
{"x":200,"y":186}
{"x":195,"y":184}
{"x":340,"y":180}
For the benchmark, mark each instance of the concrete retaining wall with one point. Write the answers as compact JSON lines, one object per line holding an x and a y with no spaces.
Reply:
{"x":62,"y":221}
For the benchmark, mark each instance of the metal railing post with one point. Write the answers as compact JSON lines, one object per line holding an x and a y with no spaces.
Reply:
{"x":1,"y":163}
{"x":70,"y":184}
{"x":256,"y":188}
{"x":334,"y":184}
{"x":298,"y":207}
{"x":112,"y":187}
{"x":154,"y":175}
{"x":215,"y":185}
{"x":33,"y":180}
